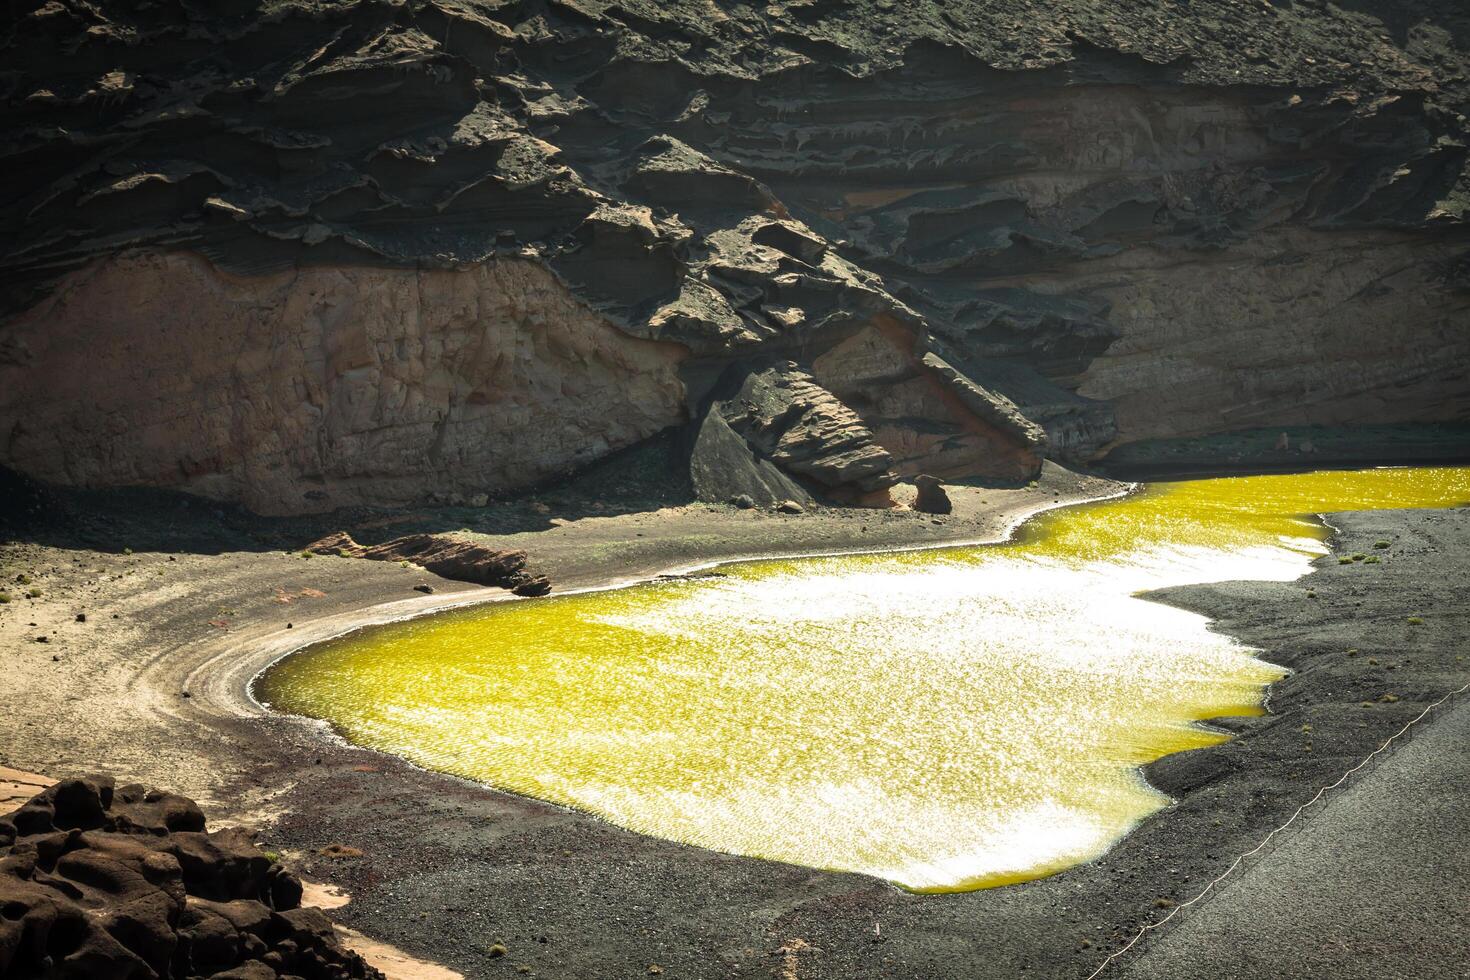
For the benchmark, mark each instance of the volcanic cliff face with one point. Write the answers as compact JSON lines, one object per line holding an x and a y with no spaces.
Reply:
{"x":304,"y":254}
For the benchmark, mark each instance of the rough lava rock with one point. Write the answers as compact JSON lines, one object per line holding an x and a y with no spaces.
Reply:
{"x":724,"y":467}
{"x":125,"y":883}
{"x":786,"y":417}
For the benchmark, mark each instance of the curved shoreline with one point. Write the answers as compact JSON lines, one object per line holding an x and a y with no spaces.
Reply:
{"x":156,"y":682}
{"x":386,"y":613}
{"x":1251,"y":782}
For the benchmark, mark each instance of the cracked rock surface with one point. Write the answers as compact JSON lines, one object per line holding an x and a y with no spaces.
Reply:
{"x":124,"y":882}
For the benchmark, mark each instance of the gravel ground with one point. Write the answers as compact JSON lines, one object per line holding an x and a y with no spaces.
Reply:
{"x":1374,"y":886}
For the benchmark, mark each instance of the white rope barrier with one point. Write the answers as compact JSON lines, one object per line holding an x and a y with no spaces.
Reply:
{"x":1253,"y":852}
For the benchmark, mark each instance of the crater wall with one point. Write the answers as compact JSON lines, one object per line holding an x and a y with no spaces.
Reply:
{"x":307,"y":254}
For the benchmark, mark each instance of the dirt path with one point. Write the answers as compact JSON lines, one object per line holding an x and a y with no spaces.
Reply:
{"x":1374,"y":886}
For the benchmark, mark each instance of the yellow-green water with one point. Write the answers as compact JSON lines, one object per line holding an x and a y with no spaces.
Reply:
{"x":945,"y":719}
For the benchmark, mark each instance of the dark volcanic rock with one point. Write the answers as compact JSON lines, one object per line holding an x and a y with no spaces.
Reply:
{"x":304,"y":255}
{"x":98,"y":881}
{"x":723,"y":467}
{"x":446,"y":556}
{"x":932,"y":498}
{"x":791,"y":420}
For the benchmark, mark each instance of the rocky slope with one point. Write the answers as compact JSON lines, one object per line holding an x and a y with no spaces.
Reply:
{"x":303,"y":254}
{"x":104,"y":881}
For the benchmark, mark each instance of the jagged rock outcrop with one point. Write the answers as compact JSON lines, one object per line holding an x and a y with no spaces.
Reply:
{"x":931,"y":498}
{"x":446,"y":556}
{"x":1127,"y":220}
{"x":724,"y":468}
{"x":789,"y":419}
{"x":100,"y":881}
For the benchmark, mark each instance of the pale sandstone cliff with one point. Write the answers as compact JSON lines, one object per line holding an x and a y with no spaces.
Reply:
{"x":1293,"y":329}
{"x":323,"y":386}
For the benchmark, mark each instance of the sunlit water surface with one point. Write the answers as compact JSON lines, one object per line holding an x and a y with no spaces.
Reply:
{"x":945,"y":719}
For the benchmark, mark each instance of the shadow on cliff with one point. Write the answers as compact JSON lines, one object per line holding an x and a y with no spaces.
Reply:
{"x":1401,"y":18}
{"x":649,"y":476}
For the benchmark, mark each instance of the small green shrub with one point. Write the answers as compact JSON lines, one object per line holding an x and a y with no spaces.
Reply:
{"x":274,"y":857}
{"x":127,"y":551}
{"x":1344,"y":561}
{"x":34,"y":592}
{"x":1360,"y":557}
{"x":4,"y":598}
{"x":1416,"y":620}
{"x":1380,"y":544}
{"x":1372,"y":560}
{"x":306,"y":554}
{"x":23,"y":579}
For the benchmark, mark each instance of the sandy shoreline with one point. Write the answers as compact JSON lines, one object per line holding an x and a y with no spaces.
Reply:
{"x":1000,"y":523}
{"x":449,"y":869}
{"x":137,"y":663}
{"x":171,"y":639}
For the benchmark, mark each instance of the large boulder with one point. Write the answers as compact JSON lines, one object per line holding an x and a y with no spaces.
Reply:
{"x":785,"y":417}
{"x":932,"y":498}
{"x":791,"y":419}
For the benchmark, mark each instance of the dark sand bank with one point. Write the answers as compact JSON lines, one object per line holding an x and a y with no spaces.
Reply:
{"x":572,"y":896}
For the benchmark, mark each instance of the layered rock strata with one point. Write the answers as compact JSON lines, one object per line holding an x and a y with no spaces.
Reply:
{"x":125,"y":883}
{"x":446,"y":556}
{"x":1126,"y":221}
{"x":789,"y":419}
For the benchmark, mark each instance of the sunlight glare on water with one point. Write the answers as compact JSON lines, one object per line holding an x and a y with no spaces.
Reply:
{"x":944,"y":719}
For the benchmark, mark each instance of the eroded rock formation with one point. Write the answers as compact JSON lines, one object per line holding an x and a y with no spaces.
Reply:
{"x":446,"y":556}
{"x":98,"y":881}
{"x":303,"y":254}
